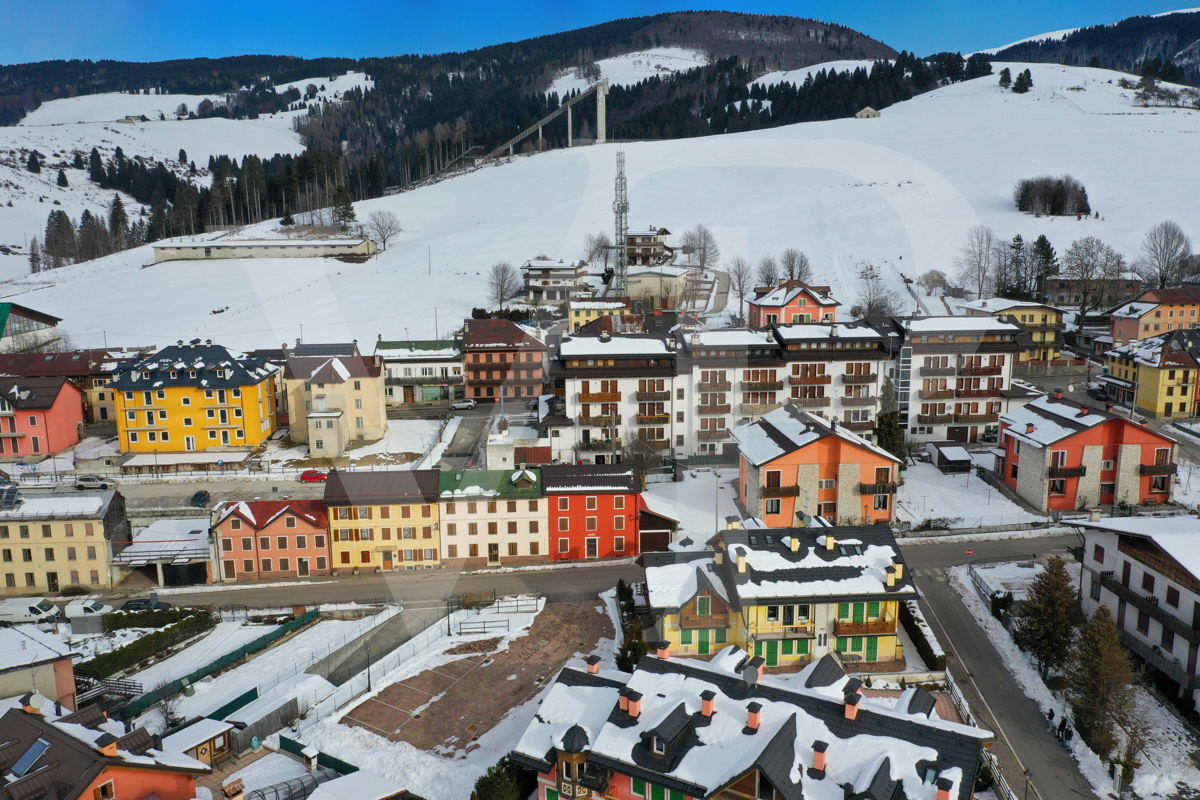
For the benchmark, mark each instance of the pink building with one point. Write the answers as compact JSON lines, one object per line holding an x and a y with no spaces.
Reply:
{"x":791,"y":301}
{"x":38,"y":416}
{"x":272,"y":539}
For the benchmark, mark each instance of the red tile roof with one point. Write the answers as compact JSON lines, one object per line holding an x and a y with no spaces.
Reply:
{"x":497,"y":334}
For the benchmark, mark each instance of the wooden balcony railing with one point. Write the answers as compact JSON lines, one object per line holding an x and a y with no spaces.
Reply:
{"x":652,"y":397}
{"x":653,"y":419}
{"x":606,"y":421}
{"x":713,"y":436}
{"x":1034,"y":327}
{"x":758,"y":409}
{"x":811,"y":402}
{"x":977,"y":393}
{"x":781,"y":491}
{"x":934,"y":419}
{"x":599,"y":397}
{"x":600,"y":446}
{"x":877,"y":628}
{"x":861,"y":425}
{"x":655,"y":444}
{"x":859,"y":378}
{"x":976,"y":371}
{"x":424,"y":380}
{"x":704,"y":620}
{"x":774,"y":631}
{"x":761,"y":386}
{"x":936,"y":394}
{"x":725,"y":409}
{"x":1067,"y":472}
{"x":810,"y":380}
{"x":877,"y":488}
{"x":714,"y":387}
{"x":969,"y":418}
{"x":860,"y":401}
{"x":1158,"y":469}
{"x":937,"y":372}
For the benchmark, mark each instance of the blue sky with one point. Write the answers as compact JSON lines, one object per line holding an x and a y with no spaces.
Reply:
{"x":155,"y":30}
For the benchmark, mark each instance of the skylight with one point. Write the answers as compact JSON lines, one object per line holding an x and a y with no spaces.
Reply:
{"x":26,"y":761}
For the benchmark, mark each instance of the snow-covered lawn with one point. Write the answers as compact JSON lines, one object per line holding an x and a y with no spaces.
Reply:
{"x":91,"y":646}
{"x":928,"y":494}
{"x":1167,"y":759}
{"x":224,"y":638}
{"x":1017,"y":576}
{"x":404,"y":442}
{"x":633,"y":68}
{"x":701,"y":501}
{"x":269,"y":770}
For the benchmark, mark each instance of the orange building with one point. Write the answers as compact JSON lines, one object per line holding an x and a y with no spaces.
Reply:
{"x":796,"y":465}
{"x":271,"y":539}
{"x":1060,"y":456}
{"x":791,"y":302}
{"x":1156,"y":311}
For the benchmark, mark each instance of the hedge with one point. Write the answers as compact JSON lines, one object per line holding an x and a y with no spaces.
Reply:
{"x":149,"y":618}
{"x":197,"y":620}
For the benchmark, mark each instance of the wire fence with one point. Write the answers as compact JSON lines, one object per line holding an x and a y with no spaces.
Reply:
{"x":999,"y":784}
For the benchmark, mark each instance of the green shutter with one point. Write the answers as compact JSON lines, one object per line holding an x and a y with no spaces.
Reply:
{"x":676,"y":795}
{"x":843,"y":611}
{"x":758,"y":648}
{"x":787,"y":647}
{"x":720,"y":635}
{"x":639,"y":787}
{"x":657,"y":792}
{"x":702,"y":606}
{"x":842,"y":645}
{"x":802,"y":647}
{"x":685,"y":636}
{"x":551,"y":794}
{"x":856,"y":644}
{"x":873,"y":610}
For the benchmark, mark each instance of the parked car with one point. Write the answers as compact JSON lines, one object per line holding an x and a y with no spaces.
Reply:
{"x":313,"y":476}
{"x":92,"y":482}
{"x":532,"y":405}
{"x":18,"y":610}
{"x":1097,"y":394}
{"x":144,"y":604}
{"x":85,"y":608}
{"x":991,"y":435}
{"x":201,"y":499}
{"x":460,"y":405}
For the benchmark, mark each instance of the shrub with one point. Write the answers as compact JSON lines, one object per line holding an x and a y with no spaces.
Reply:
{"x":74,"y":590}
{"x":196,"y":621}
{"x":150,"y":618}
{"x":500,"y":782}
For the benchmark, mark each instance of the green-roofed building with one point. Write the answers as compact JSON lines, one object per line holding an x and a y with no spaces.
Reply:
{"x":421,"y":371}
{"x":22,"y":328}
{"x":493,"y":517}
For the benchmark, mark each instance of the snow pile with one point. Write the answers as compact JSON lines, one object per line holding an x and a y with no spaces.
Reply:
{"x":269,"y":770}
{"x":402,"y":437}
{"x":701,"y":502}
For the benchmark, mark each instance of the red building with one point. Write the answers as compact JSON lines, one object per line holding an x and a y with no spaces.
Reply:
{"x":501,"y":360}
{"x":1060,"y":456}
{"x":593,"y":510}
{"x":272,"y":539}
{"x":791,"y":301}
{"x":38,"y":416}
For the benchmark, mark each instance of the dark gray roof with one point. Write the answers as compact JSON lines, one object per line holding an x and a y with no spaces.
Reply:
{"x":673,"y":724}
{"x":827,"y":672}
{"x":372,"y":488}
{"x":575,"y":740}
{"x":601,"y":478}
{"x":333,"y":349}
{"x":920,"y":702}
{"x":185,"y":359}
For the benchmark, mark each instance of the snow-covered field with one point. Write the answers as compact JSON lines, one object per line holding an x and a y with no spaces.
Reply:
{"x":900,"y":191}
{"x":633,"y":68}
{"x":928,"y":494}
{"x":403,"y":443}
{"x":224,"y":638}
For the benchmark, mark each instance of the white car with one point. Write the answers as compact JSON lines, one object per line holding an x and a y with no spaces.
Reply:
{"x":92,"y":482}
{"x":459,"y":405}
{"x":86,"y":608}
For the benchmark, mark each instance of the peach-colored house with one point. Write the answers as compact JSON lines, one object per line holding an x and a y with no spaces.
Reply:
{"x":273,"y":539}
{"x":791,"y":302}
{"x":38,"y":416}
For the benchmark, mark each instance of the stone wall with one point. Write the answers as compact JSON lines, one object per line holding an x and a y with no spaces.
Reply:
{"x":806,"y":478}
{"x":1088,"y":494}
{"x":753,"y":498}
{"x":1129,"y":475}
{"x":849,"y":511}
{"x":1031,"y":477}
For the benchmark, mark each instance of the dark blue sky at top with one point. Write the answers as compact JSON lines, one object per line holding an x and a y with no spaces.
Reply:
{"x":156,"y":30}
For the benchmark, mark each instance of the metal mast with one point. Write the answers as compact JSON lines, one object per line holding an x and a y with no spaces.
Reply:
{"x":621,"y":211}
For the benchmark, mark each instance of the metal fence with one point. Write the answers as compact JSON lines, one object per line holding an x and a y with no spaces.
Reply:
{"x":323,"y":759}
{"x":999,"y":784}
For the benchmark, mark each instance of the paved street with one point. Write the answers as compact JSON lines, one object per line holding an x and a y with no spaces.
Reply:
{"x":1015,"y":719}
{"x":463,"y":450}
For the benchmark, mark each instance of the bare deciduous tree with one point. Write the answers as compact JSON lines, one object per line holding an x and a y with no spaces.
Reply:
{"x":1092,"y":264}
{"x":703,"y":245}
{"x":933,"y":279}
{"x":768,"y":271}
{"x":741,"y":275}
{"x":874,"y":299}
{"x":503,"y":283}
{"x":1166,"y":256}
{"x":599,"y":247}
{"x":974,"y":259}
{"x":383,"y":226}
{"x":795,"y":265}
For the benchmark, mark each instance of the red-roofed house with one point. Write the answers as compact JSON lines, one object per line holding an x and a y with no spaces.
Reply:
{"x":502,"y":360}
{"x":271,"y":539}
{"x":792,"y":301}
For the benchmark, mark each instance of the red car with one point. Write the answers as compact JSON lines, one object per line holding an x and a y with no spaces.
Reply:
{"x":312,"y":476}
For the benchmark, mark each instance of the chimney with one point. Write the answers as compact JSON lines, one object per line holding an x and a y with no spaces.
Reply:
{"x":380,"y":339}
{"x":898,"y":563}
{"x":819,"y":749}
{"x":732,"y":523}
{"x":32,"y":703}
{"x":741,"y":562}
{"x":1094,"y":515}
{"x":623,"y":700}
{"x":1058,"y":394}
{"x":795,"y":544}
{"x":593,"y":664}
{"x":107,"y":744}
{"x":891,"y":577}
{"x":604,"y":337}
{"x":1108,"y":407}
{"x":662,"y":649}
{"x":1029,"y":426}
{"x":707,"y":701}
{"x":852,"y":705}
{"x":635,"y":704}
{"x":718,"y":557}
{"x":829,"y":542}
{"x":753,"y":716}
{"x":943,"y":788}
{"x":1083,"y":410}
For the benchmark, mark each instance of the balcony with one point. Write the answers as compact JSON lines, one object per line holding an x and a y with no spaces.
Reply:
{"x":653,"y":419}
{"x":936,"y":394}
{"x":773,"y":632}
{"x":1067,"y":472}
{"x":599,"y":397}
{"x":1151,"y":607}
{"x":977,"y":371}
{"x":877,"y":488}
{"x":853,"y":379}
{"x":655,"y":444}
{"x":976,"y":418}
{"x":878,"y":628}
{"x":811,"y":402}
{"x":652,"y":397}
{"x":977,"y":393}
{"x":1035,"y":327}
{"x":1170,"y":666}
{"x":781,"y":491}
{"x":713,"y":436}
{"x":937,"y":372}
{"x":861,"y":425}
{"x":810,"y":380}
{"x":758,"y":409}
{"x":1158,"y":469}
{"x":860,"y":401}
{"x":761,"y":386}
{"x":424,"y":380}
{"x":725,"y":409}
{"x":934,"y":419}
{"x":600,"y":446}
{"x":600,"y":422}
{"x":704,"y":620}
{"x":714,"y":387}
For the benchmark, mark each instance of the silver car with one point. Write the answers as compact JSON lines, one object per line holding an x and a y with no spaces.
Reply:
{"x":92,"y":482}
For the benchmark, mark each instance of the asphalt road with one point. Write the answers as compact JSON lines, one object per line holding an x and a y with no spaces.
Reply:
{"x":1018,"y":721}
{"x":464,"y":448}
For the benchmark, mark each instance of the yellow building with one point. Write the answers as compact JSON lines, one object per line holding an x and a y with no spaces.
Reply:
{"x":769,"y":591}
{"x":51,"y":541}
{"x":383,"y":521}
{"x":1043,"y":323}
{"x":192,"y":397}
{"x":581,"y":312}
{"x":1159,"y":374}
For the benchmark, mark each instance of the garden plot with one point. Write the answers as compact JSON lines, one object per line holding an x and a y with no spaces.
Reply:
{"x":1016,"y":577}
{"x":404,"y":442}
{"x":927,"y":494}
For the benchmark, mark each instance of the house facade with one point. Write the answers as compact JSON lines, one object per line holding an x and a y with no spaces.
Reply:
{"x":335,"y":400}
{"x":593,"y":511}
{"x":1043,"y":323}
{"x":270,"y":540}
{"x":791,"y":301}
{"x":657,"y":287}
{"x":501,"y":360}
{"x":582,"y":312}
{"x":552,"y":281}
{"x":39,"y":417}
{"x":23,"y":329}
{"x":194,"y":396}
{"x":795,"y":466}
{"x":1060,"y":291}
{"x":32,"y":660}
{"x":421,"y":372}
{"x":1159,"y":375}
{"x":493,"y":517}
{"x":648,"y":247}
{"x":385,"y":521}
{"x":1060,"y":456}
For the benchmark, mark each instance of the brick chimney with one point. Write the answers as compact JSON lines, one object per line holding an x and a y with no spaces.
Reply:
{"x":943,"y":788}
{"x":795,"y":544}
{"x":635,"y":703}
{"x":623,"y":700}
{"x":890,"y":572}
{"x":107,"y":744}
{"x":819,"y":749}
{"x":662,"y":649}
{"x":1029,"y":427}
{"x":593,"y":664}
{"x":1108,"y":407}
{"x":707,"y":702}
{"x":1083,"y":410}
{"x":898,"y":563}
{"x":753,"y":716}
{"x":852,"y":705}
{"x":829,"y":542}
{"x":1058,"y":394}
{"x":741,"y":562}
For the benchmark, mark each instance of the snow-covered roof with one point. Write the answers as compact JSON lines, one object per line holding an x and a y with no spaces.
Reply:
{"x":168,"y":540}
{"x":784,"y":295}
{"x":1179,"y":537}
{"x":672,"y":585}
{"x":788,"y":429}
{"x":195,"y":735}
{"x":955,"y":453}
{"x":738,"y":338}
{"x":576,"y":347}
{"x":668,"y":272}
{"x":1133,"y":309}
{"x":997,"y":305}
{"x":243,"y":243}
{"x":598,"y":305}
{"x":23,"y":645}
{"x":76,"y":505}
{"x":818,"y":331}
{"x":1053,"y":420}
{"x":961,"y":324}
{"x":360,"y":785}
{"x":196,"y":457}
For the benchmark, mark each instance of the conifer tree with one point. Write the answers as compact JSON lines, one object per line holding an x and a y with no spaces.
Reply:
{"x":1005,"y":78}
{"x":33,"y":165}
{"x":182,"y":156}
{"x":1100,"y":684}
{"x":287,"y":218}
{"x":62,"y":178}
{"x":888,"y":433}
{"x":1021,"y":84}
{"x":35,"y":256}
{"x":1045,"y":625}
{"x":78,"y":164}
{"x":343,"y":206}
{"x":96,"y":168}
{"x":118,"y":223}
{"x":1045,"y":260}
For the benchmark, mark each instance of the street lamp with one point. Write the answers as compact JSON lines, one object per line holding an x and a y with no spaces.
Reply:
{"x":369,"y":676}
{"x":1026,"y":785}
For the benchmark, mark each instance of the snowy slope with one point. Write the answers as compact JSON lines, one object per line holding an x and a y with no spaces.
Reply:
{"x":633,"y":68}
{"x":798,"y":76}
{"x":900,"y":191}
{"x":1041,"y":37}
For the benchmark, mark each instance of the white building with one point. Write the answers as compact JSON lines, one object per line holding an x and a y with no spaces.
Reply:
{"x":421,"y":371}
{"x":552,"y":281}
{"x":266,"y":248}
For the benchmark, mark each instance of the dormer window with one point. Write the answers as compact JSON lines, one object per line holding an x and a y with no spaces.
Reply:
{"x":191,"y":373}
{"x":173,"y":374}
{"x":660,"y":747}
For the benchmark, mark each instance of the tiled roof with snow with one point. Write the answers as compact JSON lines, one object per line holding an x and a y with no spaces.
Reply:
{"x":1132,"y":310}
{"x":599,"y":478}
{"x":784,"y":295}
{"x":997,"y":305}
{"x":962,"y":324}
{"x":1053,"y":420}
{"x":818,"y":331}
{"x":587,"y":347}
{"x":419,"y":350}
{"x":787,"y":429}
{"x":737,"y":338}
{"x":1179,"y":537}
{"x":73,"y":505}
{"x":193,"y":365}
{"x":1172,"y":349}
{"x":24,"y":645}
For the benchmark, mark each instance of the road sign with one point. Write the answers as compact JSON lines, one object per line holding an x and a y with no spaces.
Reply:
{"x":221,"y":463}
{"x":970,"y":552}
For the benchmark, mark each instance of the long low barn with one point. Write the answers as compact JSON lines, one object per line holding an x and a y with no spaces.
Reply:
{"x":266,"y":248}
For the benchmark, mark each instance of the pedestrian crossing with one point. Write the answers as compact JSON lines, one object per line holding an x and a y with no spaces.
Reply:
{"x":931,"y":573}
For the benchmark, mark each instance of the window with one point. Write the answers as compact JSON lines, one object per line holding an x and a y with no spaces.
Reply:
{"x":1095,"y":589}
{"x":264,"y":543}
{"x":1143,"y":622}
{"x":91,"y":553}
{"x":281,"y":543}
{"x":70,"y":554}
{"x":1098,"y":554}
{"x":533,"y":506}
{"x":564,"y":545}
{"x":512,"y":548}
{"x":881,"y":502}
{"x":590,"y":504}
{"x":564,"y":503}
{"x":319,"y":542}
{"x":564,"y":524}
{"x":248,"y":565}
{"x":1147,"y":582}
{"x":1172,"y":597}
{"x":773,"y":505}
{"x":618,"y":523}
{"x":35,"y":751}
{"x":590,"y":523}
{"x":452,"y":551}
{"x":247,"y":544}
{"x":619,"y":544}
{"x":266,"y":565}
{"x":533,"y":548}
{"x":1058,"y":486}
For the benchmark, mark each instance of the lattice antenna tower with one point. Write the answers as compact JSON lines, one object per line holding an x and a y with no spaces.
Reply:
{"x":621,"y":242}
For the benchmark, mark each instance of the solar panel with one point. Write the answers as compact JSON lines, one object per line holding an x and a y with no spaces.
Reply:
{"x":31,"y":755}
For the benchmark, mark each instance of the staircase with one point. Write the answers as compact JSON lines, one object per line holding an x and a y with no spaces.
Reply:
{"x":90,"y":686}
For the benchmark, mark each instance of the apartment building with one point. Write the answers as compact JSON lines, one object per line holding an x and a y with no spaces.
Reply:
{"x":192,"y":397}
{"x":384,"y":521}
{"x":1061,"y":291}
{"x":553,"y":282}
{"x":335,"y":400}
{"x":648,"y":247}
{"x":583,"y":312}
{"x":38,"y":417}
{"x":791,"y":301}
{"x":501,"y":361}
{"x":795,"y":466}
{"x":1043,"y":323}
{"x":593,"y":510}
{"x":1159,"y":375}
{"x":733,"y":378}
{"x":51,"y":541}
{"x":493,"y":517}
{"x":427,"y":371}
{"x":270,"y":539}
{"x":1155,"y":311}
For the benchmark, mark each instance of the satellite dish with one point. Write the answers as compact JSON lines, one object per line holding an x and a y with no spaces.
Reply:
{"x":37,"y":700}
{"x":1070,"y":387}
{"x":750,"y":675}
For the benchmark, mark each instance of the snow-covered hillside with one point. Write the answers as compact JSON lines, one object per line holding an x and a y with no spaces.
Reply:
{"x":900,"y":191}
{"x":798,"y":76}
{"x":632,"y":68}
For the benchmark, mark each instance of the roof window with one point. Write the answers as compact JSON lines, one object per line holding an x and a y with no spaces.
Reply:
{"x":26,"y":761}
